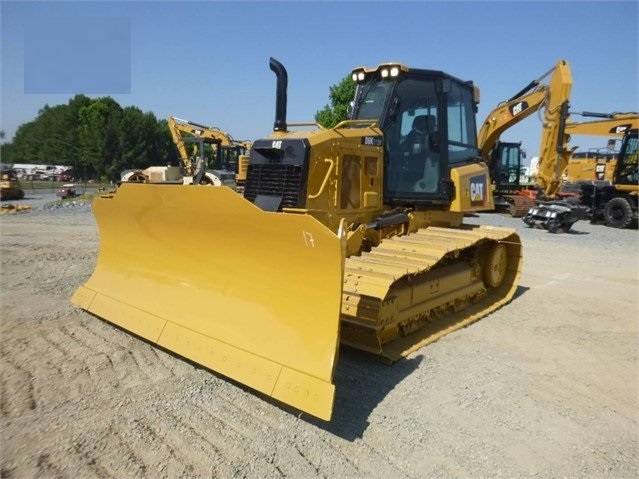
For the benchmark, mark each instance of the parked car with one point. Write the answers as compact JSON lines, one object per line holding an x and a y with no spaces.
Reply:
{"x":67,"y":191}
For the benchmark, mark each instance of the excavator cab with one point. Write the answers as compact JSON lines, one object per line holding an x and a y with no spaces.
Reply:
{"x":627,"y":170}
{"x":506,"y":165}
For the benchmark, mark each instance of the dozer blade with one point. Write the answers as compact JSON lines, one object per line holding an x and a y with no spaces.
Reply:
{"x":204,"y":273}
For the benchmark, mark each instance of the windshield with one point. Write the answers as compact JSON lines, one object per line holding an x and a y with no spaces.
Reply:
{"x":628,"y":172}
{"x":370,"y":100}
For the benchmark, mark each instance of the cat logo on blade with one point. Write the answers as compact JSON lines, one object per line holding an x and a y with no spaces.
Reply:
{"x":478,"y":190}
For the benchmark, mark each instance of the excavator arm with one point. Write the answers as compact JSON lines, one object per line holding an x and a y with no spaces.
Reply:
{"x":542,"y":94}
{"x":507,"y":114}
{"x":611,"y":124}
{"x":183,"y":131}
{"x":553,"y":152}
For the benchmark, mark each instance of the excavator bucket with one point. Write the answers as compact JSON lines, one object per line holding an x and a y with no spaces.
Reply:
{"x":204,"y":273}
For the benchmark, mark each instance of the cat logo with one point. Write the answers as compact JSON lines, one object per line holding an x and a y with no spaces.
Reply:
{"x":478,"y":190}
{"x":517,"y":108}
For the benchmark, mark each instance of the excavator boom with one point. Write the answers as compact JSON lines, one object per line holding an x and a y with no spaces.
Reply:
{"x":507,"y":114}
{"x":504,"y":158}
{"x":613,"y":125}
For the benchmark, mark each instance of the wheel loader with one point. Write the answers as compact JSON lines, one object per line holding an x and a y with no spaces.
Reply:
{"x":353,"y":234}
{"x":616,"y":201}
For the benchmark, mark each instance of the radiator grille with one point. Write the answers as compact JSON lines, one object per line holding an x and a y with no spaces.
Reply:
{"x":279,"y":180}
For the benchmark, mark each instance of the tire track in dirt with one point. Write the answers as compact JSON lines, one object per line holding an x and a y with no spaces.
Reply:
{"x":142,"y":354}
{"x":270,"y":442}
{"x":18,"y":396}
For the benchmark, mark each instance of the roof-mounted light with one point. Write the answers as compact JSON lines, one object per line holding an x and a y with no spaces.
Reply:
{"x":358,"y":76}
{"x":384,"y":71}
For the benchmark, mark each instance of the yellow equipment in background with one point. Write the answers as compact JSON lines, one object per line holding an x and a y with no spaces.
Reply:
{"x":351,"y":234}
{"x":600,"y":165}
{"x":504,"y":158}
{"x":230,"y":155}
{"x":10,"y":188}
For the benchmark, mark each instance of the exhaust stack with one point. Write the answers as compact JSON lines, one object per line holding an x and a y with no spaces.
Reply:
{"x":280,"y":96}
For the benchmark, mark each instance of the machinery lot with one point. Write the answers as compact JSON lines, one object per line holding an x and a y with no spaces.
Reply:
{"x":544,"y":387}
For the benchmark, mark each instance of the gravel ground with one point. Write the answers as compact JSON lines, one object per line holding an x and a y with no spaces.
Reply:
{"x":544,"y":387}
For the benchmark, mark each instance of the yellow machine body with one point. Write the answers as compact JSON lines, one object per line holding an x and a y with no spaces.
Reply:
{"x":262,"y":287}
{"x":599,"y":164}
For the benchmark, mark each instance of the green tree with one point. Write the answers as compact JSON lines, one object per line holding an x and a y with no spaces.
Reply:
{"x":99,"y":138}
{"x":51,"y":137}
{"x":340,"y":96}
{"x":96,"y":136}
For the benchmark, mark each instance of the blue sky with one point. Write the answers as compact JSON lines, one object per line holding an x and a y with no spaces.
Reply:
{"x":207,"y":61}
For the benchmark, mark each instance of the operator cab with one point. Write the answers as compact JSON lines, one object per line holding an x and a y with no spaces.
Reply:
{"x":627,"y":172}
{"x":428,"y":121}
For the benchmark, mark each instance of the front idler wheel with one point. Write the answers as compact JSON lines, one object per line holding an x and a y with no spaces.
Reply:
{"x":495,"y":265}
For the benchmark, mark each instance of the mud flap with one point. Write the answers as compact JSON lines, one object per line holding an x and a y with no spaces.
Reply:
{"x":206,"y":274}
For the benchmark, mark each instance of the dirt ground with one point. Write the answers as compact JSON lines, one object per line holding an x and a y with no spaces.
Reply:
{"x":544,"y":387}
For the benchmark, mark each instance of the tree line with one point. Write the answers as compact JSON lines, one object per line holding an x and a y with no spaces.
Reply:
{"x":99,"y":139}
{"x":95,"y":137}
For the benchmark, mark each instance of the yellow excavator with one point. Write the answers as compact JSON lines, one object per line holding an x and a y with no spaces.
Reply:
{"x":504,"y":158}
{"x":353,"y":234}
{"x":601,"y":165}
{"x":230,"y":155}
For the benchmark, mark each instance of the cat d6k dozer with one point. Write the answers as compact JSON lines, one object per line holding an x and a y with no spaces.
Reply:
{"x":351,"y":234}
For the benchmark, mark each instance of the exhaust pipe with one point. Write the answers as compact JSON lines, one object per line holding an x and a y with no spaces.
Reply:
{"x":280,"y":96}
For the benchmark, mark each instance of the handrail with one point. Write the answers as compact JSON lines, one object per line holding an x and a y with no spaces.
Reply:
{"x":328,"y":174}
{"x":344,"y":123}
{"x":309,"y":123}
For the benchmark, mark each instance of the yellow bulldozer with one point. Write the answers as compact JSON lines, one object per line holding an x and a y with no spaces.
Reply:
{"x":353,"y":234}
{"x":10,"y":188}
